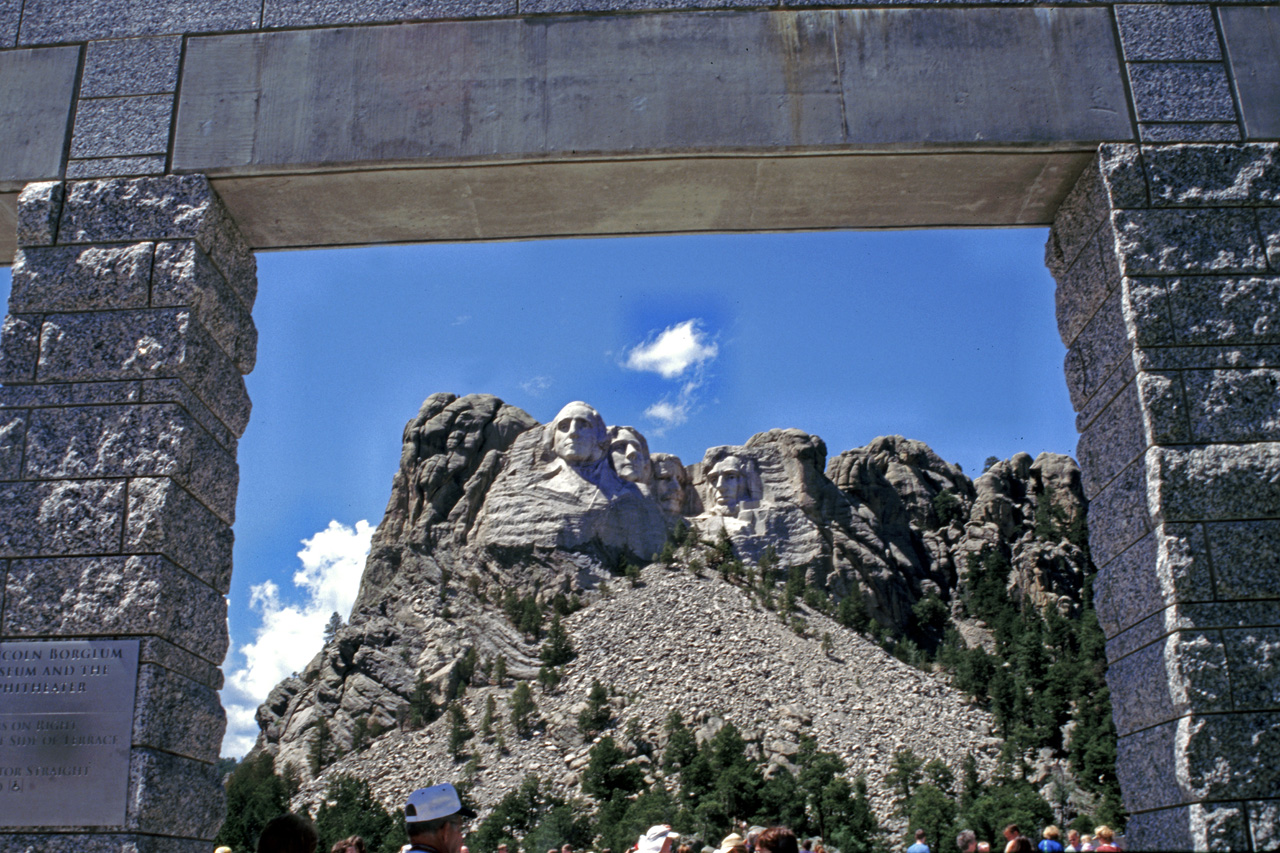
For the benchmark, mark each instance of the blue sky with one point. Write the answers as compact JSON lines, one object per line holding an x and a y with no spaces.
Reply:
{"x":943,"y":336}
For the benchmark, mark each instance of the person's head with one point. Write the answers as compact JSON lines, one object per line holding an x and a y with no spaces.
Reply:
{"x":1022,"y":844}
{"x":1104,"y":834}
{"x":806,"y":845}
{"x":351,"y":844}
{"x":1052,"y":832}
{"x":567,"y":848}
{"x":920,"y":836}
{"x":984,"y":847}
{"x":733,"y":843}
{"x":222,"y":850}
{"x":1073,"y":838}
{"x":288,"y":833}
{"x":629,"y":453}
{"x":777,"y":839}
{"x":435,"y":817}
{"x":502,"y":848}
{"x":1011,"y":831}
{"x":1086,"y":839}
{"x":657,"y":840}
{"x":967,"y":841}
{"x":578,"y":434}
{"x":684,"y":848}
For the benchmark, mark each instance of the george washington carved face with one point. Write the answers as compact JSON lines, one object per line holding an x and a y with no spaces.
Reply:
{"x":578,"y":435}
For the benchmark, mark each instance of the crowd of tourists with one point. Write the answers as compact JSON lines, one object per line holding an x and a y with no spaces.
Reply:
{"x":435,"y":817}
{"x":1102,"y":839}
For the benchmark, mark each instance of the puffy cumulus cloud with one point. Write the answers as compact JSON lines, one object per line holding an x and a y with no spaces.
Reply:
{"x":674,"y":350}
{"x":290,"y":634}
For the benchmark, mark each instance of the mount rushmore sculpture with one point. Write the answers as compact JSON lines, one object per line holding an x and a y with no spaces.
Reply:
{"x":577,"y":484}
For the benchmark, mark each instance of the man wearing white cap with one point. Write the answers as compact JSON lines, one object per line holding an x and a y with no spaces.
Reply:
{"x":434,"y":818}
{"x":657,"y":840}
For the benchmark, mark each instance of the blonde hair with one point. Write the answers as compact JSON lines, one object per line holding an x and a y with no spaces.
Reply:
{"x":1051,"y":831}
{"x":1105,"y":833}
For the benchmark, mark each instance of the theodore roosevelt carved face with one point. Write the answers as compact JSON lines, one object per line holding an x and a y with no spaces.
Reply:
{"x":669,"y":482}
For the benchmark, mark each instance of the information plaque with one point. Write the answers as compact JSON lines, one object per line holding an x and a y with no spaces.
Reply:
{"x":66,"y":723}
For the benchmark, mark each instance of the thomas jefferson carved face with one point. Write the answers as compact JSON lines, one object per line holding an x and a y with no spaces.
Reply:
{"x":629,"y":453}
{"x":728,"y":479}
{"x":578,"y":434}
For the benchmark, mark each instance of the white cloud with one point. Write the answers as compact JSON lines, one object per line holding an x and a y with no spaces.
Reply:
{"x":291,"y":634}
{"x":667,"y":413}
{"x":674,"y":350}
{"x":537,"y":385}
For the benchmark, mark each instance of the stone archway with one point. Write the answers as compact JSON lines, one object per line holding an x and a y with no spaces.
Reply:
{"x":148,"y":148}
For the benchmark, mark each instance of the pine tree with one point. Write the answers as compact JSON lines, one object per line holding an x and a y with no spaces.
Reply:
{"x":860,"y":832}
{"x":500,"y":670}
{"x":549,"y":677}
{"x":422,"y":707}
{"x":681,"y":745}
{"x":530,"y":617}
{"x":255,"y":795}
{"x":466,"y":668}
{"x":595,"y":717}
{"x":321,"y":752}
{"x":459,"y":731}
{"x":331,"y":628}
{"x":523,"y":709}
{"x":349,"y":808}
{"x":490,"y":713}
{"x":607,"y":771}
{"x":558,"y":648}
{"x":360,"y":736}
{"x":903,"y":776}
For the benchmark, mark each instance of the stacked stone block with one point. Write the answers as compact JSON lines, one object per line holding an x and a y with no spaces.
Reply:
{"x":123,"y":353}
{"x":125,"y":107}
{"x":1178,"y":75}
{"x":1168,"y":267}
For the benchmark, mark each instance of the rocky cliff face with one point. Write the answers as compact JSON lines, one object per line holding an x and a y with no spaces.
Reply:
{"x":492,"y":512}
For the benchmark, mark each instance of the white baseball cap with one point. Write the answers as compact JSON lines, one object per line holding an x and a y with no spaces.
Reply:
{"x":651,"y":841}
{"x":433,"y":803}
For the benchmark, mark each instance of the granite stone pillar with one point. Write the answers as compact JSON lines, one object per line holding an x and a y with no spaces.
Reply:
{"x":123,"y":352}
{"x":1167,"y":259}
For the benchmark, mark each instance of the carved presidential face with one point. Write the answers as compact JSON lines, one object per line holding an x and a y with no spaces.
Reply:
{"x":578,"y":434}
{"x":668,"y":482}
{"x":728,"y":479}
{"x":629,"y":453}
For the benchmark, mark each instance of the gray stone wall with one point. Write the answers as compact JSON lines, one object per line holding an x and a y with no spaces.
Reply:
{"x":122,"y":354}
{"x":1168,"y":267}
{"x":309,"y":114}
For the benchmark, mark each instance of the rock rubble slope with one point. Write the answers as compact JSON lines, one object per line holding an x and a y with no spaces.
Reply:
{"x":703,"y":647}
